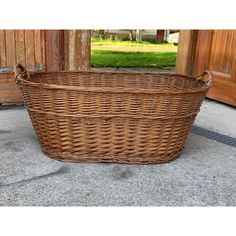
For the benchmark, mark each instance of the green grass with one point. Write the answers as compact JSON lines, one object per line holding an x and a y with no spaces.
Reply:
{"x":99,"y":42}
{"x":109,"y":58}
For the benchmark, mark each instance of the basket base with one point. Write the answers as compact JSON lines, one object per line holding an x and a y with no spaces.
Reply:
{"x":78,"y":158}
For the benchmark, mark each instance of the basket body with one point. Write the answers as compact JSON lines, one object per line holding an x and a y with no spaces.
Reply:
{"x":112,"y":117}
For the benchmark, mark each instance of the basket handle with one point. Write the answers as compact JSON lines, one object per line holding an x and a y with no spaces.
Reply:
{"x":206,"y":77}
{"x":20,"y":73}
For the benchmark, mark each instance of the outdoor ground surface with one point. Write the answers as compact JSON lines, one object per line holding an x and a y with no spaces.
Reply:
{"x":115,"y":58}
{"x":107,"y":53}
{"x":204,"y":175}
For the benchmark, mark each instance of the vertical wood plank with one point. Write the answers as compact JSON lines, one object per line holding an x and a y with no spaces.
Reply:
{"x":212,"y":57}
{"x":29,"y":52}
{"x":20,"y":46}
{"x":229,"y":51}
{"x":202,"y":52}
{"x":37,"y":49}
{"x":223,"y":53}
{"x":226,"y":53}
{"x":10,"y":48}
{"x":66,"y":48}
{"x":3,"y":58}
{"x":54,"y":42}
{"x":233,"y":69}
{"x":77,"y":49}
{"x":218,"y":52}
{"x":185,"y":54}
{"x":43,"y":48}
{"x":85,"y":49}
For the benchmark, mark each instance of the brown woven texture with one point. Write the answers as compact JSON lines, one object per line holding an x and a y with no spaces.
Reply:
{"x":112,"y":117}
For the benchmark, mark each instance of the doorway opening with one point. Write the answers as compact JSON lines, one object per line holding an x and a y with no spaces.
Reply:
{"x":133,"y":49}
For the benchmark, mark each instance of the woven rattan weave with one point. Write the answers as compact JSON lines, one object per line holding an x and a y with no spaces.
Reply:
{"x":112,"y":117}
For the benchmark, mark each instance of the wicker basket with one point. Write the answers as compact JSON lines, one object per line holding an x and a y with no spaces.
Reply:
{"x":112,"y":117}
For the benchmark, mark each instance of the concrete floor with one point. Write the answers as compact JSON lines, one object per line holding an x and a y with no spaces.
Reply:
{"x":204,"y":175}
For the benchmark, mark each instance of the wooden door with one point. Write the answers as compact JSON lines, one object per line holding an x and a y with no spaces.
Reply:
{"x":40,"y":50}
{"x":25,"y":47}
{"x":214,"y":50}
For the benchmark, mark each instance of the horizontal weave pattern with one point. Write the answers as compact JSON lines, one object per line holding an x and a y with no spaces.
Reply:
{"x":112,"y":117}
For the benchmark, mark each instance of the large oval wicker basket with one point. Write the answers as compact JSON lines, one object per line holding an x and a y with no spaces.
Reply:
{"x":112,"y":117}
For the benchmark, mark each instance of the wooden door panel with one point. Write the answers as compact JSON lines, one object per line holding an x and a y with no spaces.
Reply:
{"x":22,"y":46}
{"x":216,"y":51}
{"x":222,"y":51}
{"x":44,"y":50}
{"x":9,"y":91}
{"x":223,"y":90}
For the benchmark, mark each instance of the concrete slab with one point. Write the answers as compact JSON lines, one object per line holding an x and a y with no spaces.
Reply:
{"x":217,"y":117}
{"x":204,"y":175}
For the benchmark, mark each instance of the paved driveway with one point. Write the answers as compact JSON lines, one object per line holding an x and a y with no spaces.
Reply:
{"x":204,"y":175}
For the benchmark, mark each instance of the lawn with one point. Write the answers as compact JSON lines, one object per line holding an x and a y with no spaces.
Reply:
{"x":108,"y":42}
{"x":111,"y":58}
{"x":113,"y":53}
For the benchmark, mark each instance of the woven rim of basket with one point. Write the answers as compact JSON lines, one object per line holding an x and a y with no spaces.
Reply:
{"x":112,"y":90}
{"x":27,"y":81}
